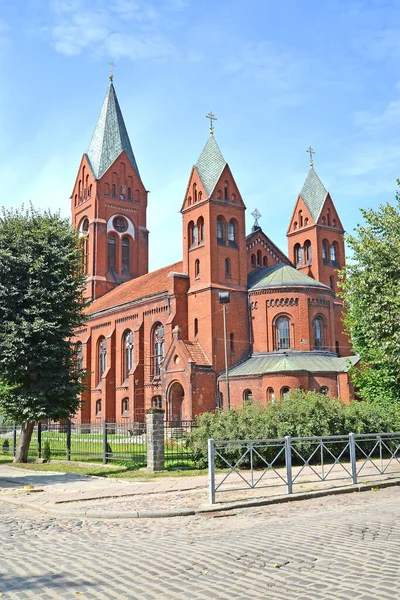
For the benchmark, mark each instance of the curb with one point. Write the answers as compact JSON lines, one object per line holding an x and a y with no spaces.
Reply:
{"x":188,"y":512}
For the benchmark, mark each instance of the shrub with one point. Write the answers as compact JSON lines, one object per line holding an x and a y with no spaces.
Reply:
{"x":6,"y":446}
{"x":301,"y":414}
{"x":46,"y":452}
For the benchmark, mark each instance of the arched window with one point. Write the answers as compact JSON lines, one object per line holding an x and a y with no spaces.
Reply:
{"x":253,"y":260}
{"x":328,"y":217}
{"x":126,"y":255}
{"x":98,"y":408}
{"x":323,"y":390}
{"x":156,"y":402}
{"x":192,"y":234}
{"x":227,"y":267}
{"x":323,"y":221}
{"x":106,"y":189}
{"x":80,"y":188}
{"x":298,"y":254}
{"x":285,"y":392}
{"x":331,"y":283}
{"x":306,"y":221}
{"x":295,"y":225}
{"x":318,"y":337}
{"x":194,"y":192}
{"x":300,"y":218}
{"x":226,"y":190}
{"x":79,"y":356}
{"x":337,"y":348}
{"x":332,"y":253}
{"x":87,"y":182}
{"x":231,"y":232}
{"x":233,"y":197}
{"x":128,"y":353}
{"x":102,"y":356}
{"x":334,"y":223}
{"x":220,"y":231}
{"x":76,"y":199}
{"x":265,"y":261}
{"x":196,"y":327}
{"x":325,"y":251}
{"x":113,"y":190}
{"x":125,"y":406}
{"x":307,"y":252}
{"x":158,"y":348}
{"x":129,"y":193}
{"x":200,"y":195}
{"x":247,"y":397}
{"x":200,"y":230}
{"x":112,"y":252}
{"x":219,"y":194}
{"x":259,"y":258}
{"x":270,"y":394}
{"x":90,"y":190}
{"x":121,"y":193}
{"x":232,"y":342}
{"x":283,"y":333}
{"x":197,"y":268}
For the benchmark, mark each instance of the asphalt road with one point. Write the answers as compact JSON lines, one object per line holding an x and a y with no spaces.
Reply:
{"x":338,"y":547}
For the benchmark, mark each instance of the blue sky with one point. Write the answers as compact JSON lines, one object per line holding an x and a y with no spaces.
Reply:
{"x":278,"y":75}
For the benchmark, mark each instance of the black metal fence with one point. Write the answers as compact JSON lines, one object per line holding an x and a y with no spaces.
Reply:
{"x":102,"y":441}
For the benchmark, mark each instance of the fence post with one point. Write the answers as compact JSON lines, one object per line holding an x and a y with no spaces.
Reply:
{"x":68,"y":439}
{"x":39,"y":439}
{"x":353,"y":458}
{"x":288,"y":460}
{"x":211,"y":471}
{"x":14,"y":439}
{"x":105,"y":443}
{"x":155,"y":439}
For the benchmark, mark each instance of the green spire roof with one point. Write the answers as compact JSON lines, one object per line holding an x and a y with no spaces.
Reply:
{"x":281,"y":275}
{"x":314,"y":194}
{"x":110,"y":137}
{"x":210,"y":165}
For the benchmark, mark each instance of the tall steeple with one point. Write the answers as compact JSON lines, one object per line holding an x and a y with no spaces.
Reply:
{"x":314,"y":194}
{"x":210,"y":165}
{"x":110,"y":137}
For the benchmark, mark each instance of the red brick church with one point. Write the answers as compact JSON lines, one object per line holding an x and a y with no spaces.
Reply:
{"x":157,"y":339}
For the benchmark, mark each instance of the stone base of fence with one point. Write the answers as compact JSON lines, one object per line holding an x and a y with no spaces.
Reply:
{"x":155,"y":439}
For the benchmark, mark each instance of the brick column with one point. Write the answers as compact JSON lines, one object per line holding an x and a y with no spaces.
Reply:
{"x":155,"y":439}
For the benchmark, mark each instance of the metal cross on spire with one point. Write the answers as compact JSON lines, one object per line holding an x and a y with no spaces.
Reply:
{"x":311,"y":152}
{"x":212,"y":118}
{"x":256,"y":215}
{"x":111,"y":70}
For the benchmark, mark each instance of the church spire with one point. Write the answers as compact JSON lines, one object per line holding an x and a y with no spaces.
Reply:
{"x":210,"y":165}
{"x":314,"y":194}
{"x":110,"y":136}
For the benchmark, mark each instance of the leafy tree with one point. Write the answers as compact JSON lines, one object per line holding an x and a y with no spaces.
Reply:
{"x":370,"y":287}
{"x":41,"y":284}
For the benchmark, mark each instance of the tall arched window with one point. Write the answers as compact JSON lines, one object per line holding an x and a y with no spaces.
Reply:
{"x":232,"y":342}
{"x":196,"y":327}
{"x":79,"y":356}
{"x":129,"y":193}
{"x":192,"y":234}
{"x":318,"y":337}
{"x":307,"y":252}
{"x":298,"y":254}
{"x":283,"y":333}
{"x":325,"y":251}
{"x":285,"y":392}
{"x":98,"y":408}
{"x":128,"y":353}
{"x":231,"y":231}
{"x":125,"y":406}
{"x":220,"y":231}
{"x":112,"y":252}
{"x":228,"y":267}
{"x":333,"y":253}
{"x":265,"y":261}
{"x":226,"y":190}
{"x":200,"y":230}
{"x":253,"y":260}
{"x":337,"y":348}
{"x":158,"y":348}
{"x":300,"y":218}
{"x":197,"y":268}
{"x":195,"y":192}
{"x":270,"y":394}
{"x":331,"y":283}
{"x":113,"y":190}
{"x":259,"y":258}
{"x":102,"y":356}
{"x":126,"y":255}
{"x":247,"y":397}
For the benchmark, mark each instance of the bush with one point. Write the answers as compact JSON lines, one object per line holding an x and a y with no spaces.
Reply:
{"x":301,"y":414}
{"x":46,"y":452}
{"x":6,"y":446}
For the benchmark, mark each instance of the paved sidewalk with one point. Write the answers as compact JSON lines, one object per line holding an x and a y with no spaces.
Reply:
{"x":82,"y":495}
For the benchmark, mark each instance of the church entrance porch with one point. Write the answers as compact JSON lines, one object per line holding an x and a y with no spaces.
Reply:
{"x":175,"y":399}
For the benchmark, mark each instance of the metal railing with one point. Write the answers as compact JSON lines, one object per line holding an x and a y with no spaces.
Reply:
{"x":177,"y":451}
{"x":269,"y":463}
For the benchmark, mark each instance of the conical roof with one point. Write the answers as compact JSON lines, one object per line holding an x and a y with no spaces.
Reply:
{"x":110,"y":137}
{"x":314,"y":194}
{"x":281,"y":275}
{"x":210,"y":165}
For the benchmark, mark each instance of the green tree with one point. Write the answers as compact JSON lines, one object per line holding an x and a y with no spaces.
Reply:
{"x":41,"y":302}
{"x":371,"y":289}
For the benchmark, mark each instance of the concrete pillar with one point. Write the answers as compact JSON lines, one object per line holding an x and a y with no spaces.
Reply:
{"x":155,"y":439}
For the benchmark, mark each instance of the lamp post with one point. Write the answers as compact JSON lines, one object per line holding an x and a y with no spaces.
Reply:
{"x":224,"y":298}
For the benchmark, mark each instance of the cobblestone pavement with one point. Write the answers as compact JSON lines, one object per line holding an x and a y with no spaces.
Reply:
{"x":341,"y":547}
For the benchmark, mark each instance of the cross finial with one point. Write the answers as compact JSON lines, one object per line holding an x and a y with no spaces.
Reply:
{"x":311,"y":152}
{"x":212,"y":118}
{"x":111,"y":70}
{"x":256,"y":214}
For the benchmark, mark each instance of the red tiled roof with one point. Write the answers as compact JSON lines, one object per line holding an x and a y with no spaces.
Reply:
{"x":196,"y":353}
{"x":135,"y":289}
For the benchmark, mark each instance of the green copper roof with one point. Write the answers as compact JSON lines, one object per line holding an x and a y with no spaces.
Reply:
{"x":313,"y":362}
{"x":281,"y":275}
{"x":313,"y":194}
{"x":210,"y":165}
{"x":110,"y":137}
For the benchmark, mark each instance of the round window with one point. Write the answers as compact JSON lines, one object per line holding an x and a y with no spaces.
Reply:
{"x":120,"y":224}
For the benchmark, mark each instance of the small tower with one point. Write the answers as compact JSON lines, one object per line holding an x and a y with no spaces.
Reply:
{"x":109,"y":203}
{"x":214,"y":256}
